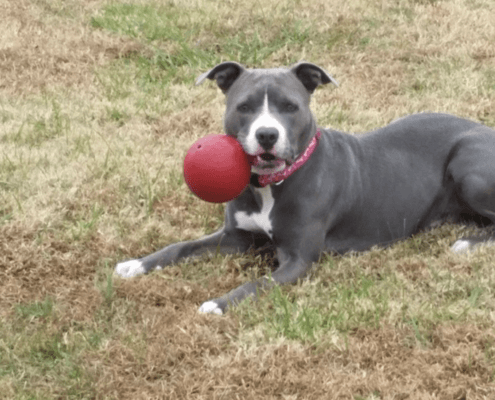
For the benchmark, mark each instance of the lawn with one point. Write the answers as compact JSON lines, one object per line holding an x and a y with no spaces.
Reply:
{"x":97,"y":109}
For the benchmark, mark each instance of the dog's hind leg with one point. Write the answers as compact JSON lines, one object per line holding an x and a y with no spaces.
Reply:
{"x":473,"y":171}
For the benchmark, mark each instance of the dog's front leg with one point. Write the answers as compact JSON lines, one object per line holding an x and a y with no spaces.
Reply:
{"x":223,"y":241}
{"x":294,"y":265}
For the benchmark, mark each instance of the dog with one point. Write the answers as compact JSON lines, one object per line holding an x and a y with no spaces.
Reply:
{"x":317,"y":190}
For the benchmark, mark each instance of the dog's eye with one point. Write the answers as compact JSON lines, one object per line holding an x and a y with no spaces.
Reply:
{"x":290,"y":107}
{"x":243,"y":108}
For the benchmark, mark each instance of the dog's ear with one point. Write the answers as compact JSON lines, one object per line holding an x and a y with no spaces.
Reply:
{"x":312,"y":76}
{"x":225,"y":74}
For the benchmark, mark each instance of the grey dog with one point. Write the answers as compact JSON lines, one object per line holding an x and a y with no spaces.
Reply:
{"x":317,"y":190}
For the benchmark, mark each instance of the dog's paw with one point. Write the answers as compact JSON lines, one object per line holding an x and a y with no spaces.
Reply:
{"x":461,"y":246}
{"x":469,"y":244}
{"x":129,"y":269}
{"x":210,"y":307}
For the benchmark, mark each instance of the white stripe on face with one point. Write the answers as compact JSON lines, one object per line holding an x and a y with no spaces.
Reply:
{"x":265,"y":120}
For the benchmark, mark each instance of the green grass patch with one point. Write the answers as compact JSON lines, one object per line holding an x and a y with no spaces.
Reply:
{"x":178,"y":41}
{"x":36,"y":310}
{"x":150,"y":22}
{"x":348,"y":296}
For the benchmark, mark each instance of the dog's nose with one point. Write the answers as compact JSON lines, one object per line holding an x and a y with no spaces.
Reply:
{"x":266,"y":137}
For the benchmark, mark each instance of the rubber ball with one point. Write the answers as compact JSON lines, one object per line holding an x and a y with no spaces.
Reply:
{"x":216,"y":168}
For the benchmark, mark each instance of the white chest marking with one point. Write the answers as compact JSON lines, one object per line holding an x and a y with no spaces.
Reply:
{"x":260,"y":221}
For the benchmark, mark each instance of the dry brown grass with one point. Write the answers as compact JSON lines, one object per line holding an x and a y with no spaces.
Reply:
{"x":92,"y":135}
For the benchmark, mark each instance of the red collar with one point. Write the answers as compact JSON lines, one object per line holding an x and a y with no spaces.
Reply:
{"x":276,"y":177}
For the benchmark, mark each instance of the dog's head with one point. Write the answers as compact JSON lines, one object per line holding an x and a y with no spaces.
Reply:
{"x":268,"y":110}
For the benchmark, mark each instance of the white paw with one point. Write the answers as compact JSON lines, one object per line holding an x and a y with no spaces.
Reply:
{"x":210,"y":307}
{"x":130,"y":269}
{"x":461,"y":246}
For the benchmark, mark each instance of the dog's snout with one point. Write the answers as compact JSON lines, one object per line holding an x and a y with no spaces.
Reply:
{"x":267,"y":137}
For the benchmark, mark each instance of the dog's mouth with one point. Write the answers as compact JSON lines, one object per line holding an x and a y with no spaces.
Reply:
{"x":267,"y":163}
{"x":267,"y":157}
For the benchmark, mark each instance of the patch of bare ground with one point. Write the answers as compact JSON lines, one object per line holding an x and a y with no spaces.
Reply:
{"x":172,"y":352}
{"x":182,"y":355}
{"x":35,"y":265}
{"x":454,"y":366}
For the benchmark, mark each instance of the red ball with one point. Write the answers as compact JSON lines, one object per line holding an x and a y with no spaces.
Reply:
{"x":216,"y":168}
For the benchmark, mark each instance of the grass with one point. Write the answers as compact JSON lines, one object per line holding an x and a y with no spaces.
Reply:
{"x":97,"y":109}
